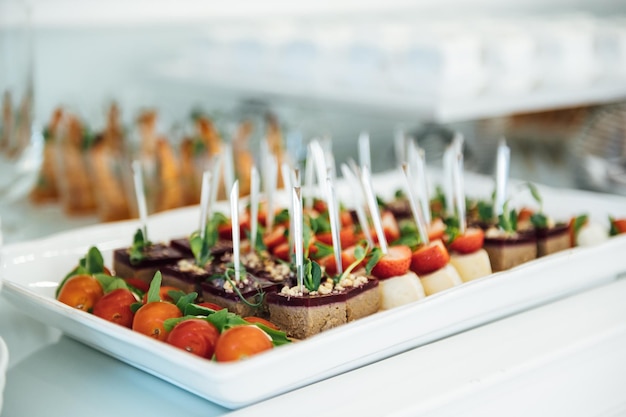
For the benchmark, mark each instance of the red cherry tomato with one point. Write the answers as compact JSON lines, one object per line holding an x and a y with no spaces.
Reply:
{"x":212,"y":306}
{"x":81,"y":292}
{"x":196,"y":336}
{"x":138,"y":283}
{"x":115,"y":307}
{"x":259,"y":320}
{"x":241,"y":342}
{"x":149,"y":318}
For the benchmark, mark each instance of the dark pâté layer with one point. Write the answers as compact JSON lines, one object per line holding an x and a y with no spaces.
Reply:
{"x":155,"y":257}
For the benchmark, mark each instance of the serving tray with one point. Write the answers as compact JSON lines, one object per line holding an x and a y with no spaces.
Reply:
{"x":32,"y":271}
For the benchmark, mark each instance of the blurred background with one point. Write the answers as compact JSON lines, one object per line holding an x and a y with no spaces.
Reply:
{"x":550,"y":77}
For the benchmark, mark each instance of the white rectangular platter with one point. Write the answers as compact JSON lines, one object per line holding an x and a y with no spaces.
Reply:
{"x":32,"y":271}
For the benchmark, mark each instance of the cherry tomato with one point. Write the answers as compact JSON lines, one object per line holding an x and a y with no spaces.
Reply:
{"x":212,"y":306}
{"x":115,"y":307}
{"x":149,"y":318}
{"x":259,"y":320}
{"x":241,"y":342}
{"x":81,"y":292}
{"x":138,"y":283}
{"x":163,"y":294}
{"x":196,"y":336}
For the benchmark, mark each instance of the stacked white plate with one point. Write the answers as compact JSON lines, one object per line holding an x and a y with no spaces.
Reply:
{"x":4,"y":360}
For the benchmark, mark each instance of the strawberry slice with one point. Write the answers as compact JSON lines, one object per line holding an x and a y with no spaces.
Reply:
{"x":574,"y":226}
{"x":225,"y":230}
{"x":436,"y":229}
{"x":347,"y":258}
{"x":524,"y":214}
{"x":328,"y":262}
{"x":394,"y":263}
{"x":618,"y":225}
{"x":346,"y":236}
{"x":346,"y":218}
{"x":275,"y":237}
{"x":281,"y":251}
{"x":469,"y":242}
{"x":319,"y":205}
{"x":390,"y":226}
{"x":429,"y":258}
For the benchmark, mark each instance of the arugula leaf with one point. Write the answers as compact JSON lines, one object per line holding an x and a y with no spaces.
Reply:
{"x":224,"y":320}
{"x":279,"y":338}
{"x":137,"y":250}
{"x":110,"y":283}
{"x":155,"y":286}
{"x":94,"y":263}
{"x":182,"y":299}
{"x":169,"y":324}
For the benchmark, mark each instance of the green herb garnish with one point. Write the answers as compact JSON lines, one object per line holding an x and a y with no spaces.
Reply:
{"x":508,"y":219}
{"x":360,"y":253}
{"x":311,"y":275}
{"x":375,"y":256}
{"x":201,"y":246}
{"x":138,"y":248}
